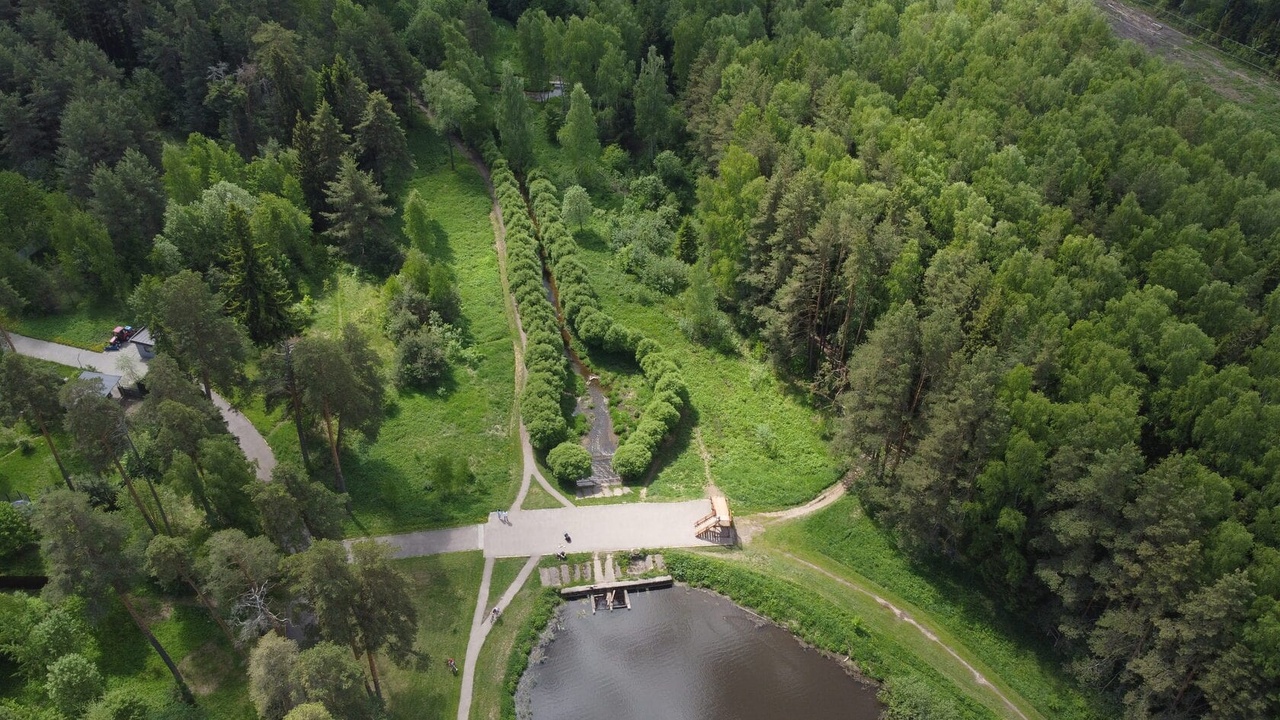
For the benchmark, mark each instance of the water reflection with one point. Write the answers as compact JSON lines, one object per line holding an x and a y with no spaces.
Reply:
{"x":683,"y":653}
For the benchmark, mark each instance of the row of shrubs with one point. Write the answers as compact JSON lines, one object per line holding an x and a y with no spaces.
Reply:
{"x":595,"y":328}
{"x":544,"y":359}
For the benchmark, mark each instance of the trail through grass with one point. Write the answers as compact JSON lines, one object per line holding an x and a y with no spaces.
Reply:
{"x":444,"y":591}
{"x":841,"y":540}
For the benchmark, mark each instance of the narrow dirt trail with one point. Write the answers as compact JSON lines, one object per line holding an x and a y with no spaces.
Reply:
{"x":903,"y":616}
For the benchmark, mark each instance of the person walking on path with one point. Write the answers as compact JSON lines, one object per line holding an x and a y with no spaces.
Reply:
{"x":494,"y":615}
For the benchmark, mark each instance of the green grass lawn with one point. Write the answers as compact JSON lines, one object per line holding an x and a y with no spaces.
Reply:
{"x":87,"y":326}
{"x":539,"y":499}
{"x":504,"y":573}
{"x":390,"y":479}
{"x":444,"y":588}
{"x":765,"y":445}
{"x":843,"y":541}
{"x":486,"y":703}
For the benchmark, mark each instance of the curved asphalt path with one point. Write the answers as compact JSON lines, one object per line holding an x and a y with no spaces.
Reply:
{"x":129,"y":364}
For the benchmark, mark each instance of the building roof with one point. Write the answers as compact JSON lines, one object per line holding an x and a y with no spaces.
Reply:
{"x":143,"y":337}
{"x":109,"y":382}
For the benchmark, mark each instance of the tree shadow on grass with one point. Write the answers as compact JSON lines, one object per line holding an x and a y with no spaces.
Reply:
{"x":436,"y":245}
{"x":124,"y":650}
{"x":591,"y":239}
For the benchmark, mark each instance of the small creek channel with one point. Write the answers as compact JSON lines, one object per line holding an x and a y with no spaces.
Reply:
{"x":683,"y":653}
{"x":601,"y":441}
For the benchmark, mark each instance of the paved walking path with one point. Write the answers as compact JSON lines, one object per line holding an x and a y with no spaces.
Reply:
{"x":128,"y":364}
{"x":482,"y":622}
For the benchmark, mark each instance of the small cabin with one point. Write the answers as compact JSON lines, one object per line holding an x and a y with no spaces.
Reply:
{"x":110,"y":383}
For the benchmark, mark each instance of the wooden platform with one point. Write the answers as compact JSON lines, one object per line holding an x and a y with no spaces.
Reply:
{"x":644,"y":584}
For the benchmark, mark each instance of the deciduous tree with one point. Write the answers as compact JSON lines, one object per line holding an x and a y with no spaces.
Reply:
{"x":451,"y":104}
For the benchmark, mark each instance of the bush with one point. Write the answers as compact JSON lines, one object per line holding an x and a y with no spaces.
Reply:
{"x":16,"y":532}
{"x":73,"y":683}
{"x":631,"y":460}
{"x":569,"y":461}
{"x":421,"y":359}
{"x":546,"y":429}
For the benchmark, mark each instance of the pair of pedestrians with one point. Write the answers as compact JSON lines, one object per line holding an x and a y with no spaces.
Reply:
{"x":503,"y":516}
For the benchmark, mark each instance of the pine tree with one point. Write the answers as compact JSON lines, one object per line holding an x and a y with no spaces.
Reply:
{"x":256,"y":291}
{"x":345,"y":91}
{"x":380,"y":142}
{"x":321,"y":144}
{"x":341,"y":384}
{"x":356,"y":222}
{"x":31,"y":392}
{"x":578,"y":137}
{"x":86,"y":555}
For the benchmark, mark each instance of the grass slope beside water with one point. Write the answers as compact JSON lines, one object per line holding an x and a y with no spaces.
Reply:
{"x":844,"y":542}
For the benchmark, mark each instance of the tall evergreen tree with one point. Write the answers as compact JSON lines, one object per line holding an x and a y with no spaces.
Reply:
{"x":129,"y":200}
{"x":283,"y":76}
{"x":98,"y":433}
{"x":345,"y":91}
{"x":578,"y":138}
{"x":380,"y":142}
{"x":356,"y":222}
{"x":257,"y":294}
{"x":341,"y":383}
{"x":321,"y":144}
{"x":30,"y":392}
{"x":86,"y":552}
{"x":188,"y":323}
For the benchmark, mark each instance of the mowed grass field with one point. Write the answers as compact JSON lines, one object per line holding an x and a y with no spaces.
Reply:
{"x":444,"y":591}
{"x":390,"y":479}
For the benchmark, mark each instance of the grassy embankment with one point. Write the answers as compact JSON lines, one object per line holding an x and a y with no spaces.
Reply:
{"x":843,"y":542}
{"x":87,"y":326}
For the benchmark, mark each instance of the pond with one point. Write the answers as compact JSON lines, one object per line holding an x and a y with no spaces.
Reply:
{"x":684,"y":653}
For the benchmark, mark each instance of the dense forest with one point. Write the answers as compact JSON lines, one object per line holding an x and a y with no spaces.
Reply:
{"x":1030,"y":272}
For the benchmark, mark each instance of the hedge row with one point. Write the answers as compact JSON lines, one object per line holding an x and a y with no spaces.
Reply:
{"x":544,"y":359}
{"x":582,"y":311}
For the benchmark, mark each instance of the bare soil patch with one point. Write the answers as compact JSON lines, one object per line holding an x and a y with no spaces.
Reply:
{"x":1226,"y":76}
